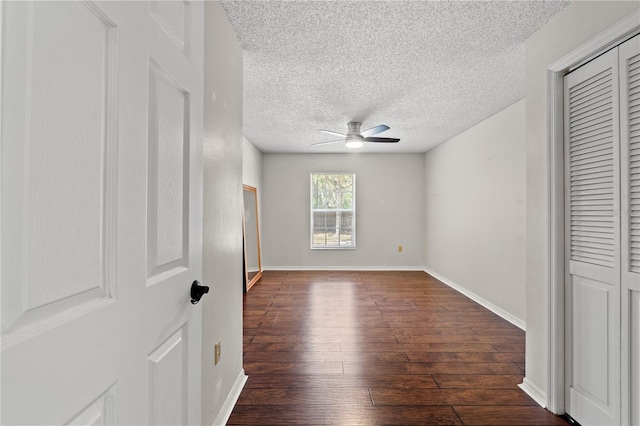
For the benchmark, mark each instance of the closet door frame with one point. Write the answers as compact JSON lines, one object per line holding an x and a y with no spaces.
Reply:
{"x":613,"y":36}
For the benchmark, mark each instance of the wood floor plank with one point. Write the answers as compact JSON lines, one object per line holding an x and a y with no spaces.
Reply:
{"x":291,"y":347}
{"x":508,"y":347}
{"x":440,"y":330}
{"x":439,"y":321}
{"x":502,"y":415}
{"x":331,"y":381}
{"x":309,"y":367}
{"x":342,"y":415}
{"x":432,"y":367}
{"x":378,"y":348}
{"x":253,"y":321}
{"x":465,"y":356}
{"x":478,"y":381}
{"x":339,"y":356}
{"x":486,"y":331}
{"x":263,"y":338}
{"x":284,"y":323}
{"x":322,"y":331}
{"x":405,"y":319}
{"x":448,"y":347}
{"x":459,"y":338}
{"x":502,"y":397}
{"x":305,"y":396}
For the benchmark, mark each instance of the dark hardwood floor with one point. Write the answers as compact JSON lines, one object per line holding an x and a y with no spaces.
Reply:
{"x":392,"y":348}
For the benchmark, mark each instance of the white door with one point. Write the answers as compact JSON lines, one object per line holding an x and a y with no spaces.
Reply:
{"x":602,"y":193}
{"x":592,"y":196}
{"x":101,"y":204}
{"x":629,"y":63}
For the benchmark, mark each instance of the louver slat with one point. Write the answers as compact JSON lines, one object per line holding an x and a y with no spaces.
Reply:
{"x":633,"y":70}
{"x":591,"y":172}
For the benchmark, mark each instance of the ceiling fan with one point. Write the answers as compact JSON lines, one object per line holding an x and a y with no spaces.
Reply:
{"x":355,"y":138}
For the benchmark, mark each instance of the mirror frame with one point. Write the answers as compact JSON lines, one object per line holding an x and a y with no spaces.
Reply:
{"x":250,"y":282}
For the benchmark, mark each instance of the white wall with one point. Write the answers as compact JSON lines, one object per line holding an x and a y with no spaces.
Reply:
{"x":389,"y":204}
{"x":222,"y":238}
{"x":475,"y":212}
{"x":575,"y":25}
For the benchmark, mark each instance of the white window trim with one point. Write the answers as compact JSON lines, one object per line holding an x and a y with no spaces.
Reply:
{"x":312,"y":210}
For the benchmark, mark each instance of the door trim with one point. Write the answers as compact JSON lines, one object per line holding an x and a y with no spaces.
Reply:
{"x":611,"y":37}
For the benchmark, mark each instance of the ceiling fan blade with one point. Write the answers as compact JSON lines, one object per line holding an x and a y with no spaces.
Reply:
{"x":382,"y":140}
{"x":329,"y":132}
{"x":375,"y":130}
{"x":323,"y":143}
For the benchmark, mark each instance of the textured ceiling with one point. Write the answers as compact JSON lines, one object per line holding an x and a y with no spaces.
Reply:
{"x":427,"y":69}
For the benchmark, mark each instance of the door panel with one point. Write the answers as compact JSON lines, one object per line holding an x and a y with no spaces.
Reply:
{"x":634,"y":358}
{"x":590,"y":335}
{"x":167,"y":381}
{"x":593,"y":249}
{"x":629,"y":63}
{"x":168,"y":191}
{"x":174,"y":19}
{"x":101,"y":203}
{"x":99,"y":412}
{"x":50,"y":152}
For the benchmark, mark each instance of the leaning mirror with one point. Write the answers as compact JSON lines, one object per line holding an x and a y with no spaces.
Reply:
{"x":251,"y":233}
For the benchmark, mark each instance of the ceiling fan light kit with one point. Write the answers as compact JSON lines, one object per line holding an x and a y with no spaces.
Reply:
{"x":354,"y":138}
{"x":354,"y":141}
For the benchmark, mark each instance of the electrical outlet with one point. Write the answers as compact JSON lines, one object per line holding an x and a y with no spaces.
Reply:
{"x":399,"y":249}
{"x":217,"y":353}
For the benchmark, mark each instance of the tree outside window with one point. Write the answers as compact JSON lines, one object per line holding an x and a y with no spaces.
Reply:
{"x":333,"y":210}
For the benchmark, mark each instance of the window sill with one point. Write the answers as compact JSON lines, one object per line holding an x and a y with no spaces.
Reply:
{"x":333,"y":248}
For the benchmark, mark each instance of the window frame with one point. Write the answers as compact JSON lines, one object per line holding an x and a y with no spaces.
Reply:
{"x":312,"y":210}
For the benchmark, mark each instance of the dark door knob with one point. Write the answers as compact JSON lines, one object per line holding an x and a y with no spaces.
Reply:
{"x":197,"y":291}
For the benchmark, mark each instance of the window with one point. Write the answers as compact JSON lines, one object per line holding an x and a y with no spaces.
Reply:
{"x":333,"y":210}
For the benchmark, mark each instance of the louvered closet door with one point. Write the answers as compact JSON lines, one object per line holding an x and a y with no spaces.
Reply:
{"x":629,"y":62}
{"x":592,"y":196}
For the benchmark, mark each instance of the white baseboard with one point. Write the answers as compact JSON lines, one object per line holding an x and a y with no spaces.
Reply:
{"x":343,"y":268}
{"x":232,"y":398}
{"x":534,"y":392}
{"x":471,"y":295}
